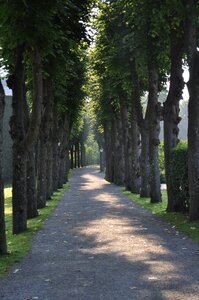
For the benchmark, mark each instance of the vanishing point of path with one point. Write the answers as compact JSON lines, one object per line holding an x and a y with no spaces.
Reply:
{"x":99,"y":245}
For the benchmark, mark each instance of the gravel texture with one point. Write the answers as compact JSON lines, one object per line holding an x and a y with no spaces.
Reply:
{"x":99,"y":245}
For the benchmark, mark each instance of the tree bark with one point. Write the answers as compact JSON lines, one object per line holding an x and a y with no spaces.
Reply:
{"x":55,"y":151}
{"x":102,"y":161}
{"x":67,"y":166}
{"x":75,"y":156}
{"x":154,"y":130}
{"x":171,"y":111}
{"x":49,"y":168}
{"x":41,"y":173}
{"x":193,"y":108}
{"x":3,"y":245}
{"x":31,"y":186}
{"x":35,"y":120}
{"x":19,"y":199}
{"x":64,"y":147}
{"x":43,"y":145}
{"x":109,"y":174}
{"x":22,"y":140}
{"x":82,"y":154}
{"x":117,"y":142}
{"x":135,"y":155}
{"x":31,"y":193}
{"x":78,"y":155}
{"x":144,"y":131}
{"x":193,"y":138}
{"x":126,"y":141}
{"x":71,"y":157}
{"x":144,"y":163}
{"x":49,"y":161}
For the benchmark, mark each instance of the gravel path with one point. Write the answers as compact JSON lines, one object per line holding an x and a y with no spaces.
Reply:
{"x":98,"y":245}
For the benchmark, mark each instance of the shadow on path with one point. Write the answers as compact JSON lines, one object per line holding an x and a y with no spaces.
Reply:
{"x":99,"y":245}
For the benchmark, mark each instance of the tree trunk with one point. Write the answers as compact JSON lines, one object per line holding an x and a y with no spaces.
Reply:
{"x":144,"y":131}
{"x":71,"y":157}
{"x":19,"y":204}
{"x":75,"y":156}
{"x":49,"y":169}
{"x":62,"y":170}
{"x":144,"y":163}
{"x":19,"y":199}
{"x":154,"y":131}
{"x":49,"y":161}
{"x":55,"y":151}
{"x":41,"y":173}
{"x":82,"y":154}
{"x":3,"y":245}
{"x":31,"y":171}
{"x":45,"y":128}
{"x":109,"y":174}
{"x":78,"y":155}
{"x":117,"y":142}
{"x":193,"y":138}
{"x":102,"y":166}
{"x":35,"y":120}
{"x":171,"y":112}
{"x":64,"y":146}
{"x":193,"y":108}
{"x":126,"y":141}
{"x":67,"y":166}
{"x":119,"y":156}
{"x":22,"y":140}
{"x":135,"y":156}
{"x":31,"y":186}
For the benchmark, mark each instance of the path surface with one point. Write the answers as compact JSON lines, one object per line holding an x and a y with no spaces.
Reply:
{"x":98,"y":245}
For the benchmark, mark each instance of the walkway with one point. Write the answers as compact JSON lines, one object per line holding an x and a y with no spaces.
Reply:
{"x":98,"y":245}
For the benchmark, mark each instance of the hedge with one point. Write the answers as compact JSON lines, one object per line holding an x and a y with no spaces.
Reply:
{"x":161,"y":163}
{"x":179,"y":171}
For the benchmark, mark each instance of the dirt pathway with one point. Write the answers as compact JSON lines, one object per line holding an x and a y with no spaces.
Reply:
{"x":98,"y":245}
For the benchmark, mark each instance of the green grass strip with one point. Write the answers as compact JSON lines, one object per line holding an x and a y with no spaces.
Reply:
{"x":178,"y":220}
{"x":20,"y":244}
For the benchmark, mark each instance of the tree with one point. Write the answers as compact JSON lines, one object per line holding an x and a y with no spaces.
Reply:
{"x":148,"y":61}
{"x":31,"y":36}
{"x":171,"y":105}
{"x":191,"y":8}
{"x":3,"y":246}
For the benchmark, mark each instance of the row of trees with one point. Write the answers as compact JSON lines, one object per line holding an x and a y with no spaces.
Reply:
{"x":140,"y":47}
{"x":43,"y":47}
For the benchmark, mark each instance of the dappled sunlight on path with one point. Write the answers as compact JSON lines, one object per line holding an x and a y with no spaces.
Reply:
{"x":99,"y":245}
{"x":116,"y":234}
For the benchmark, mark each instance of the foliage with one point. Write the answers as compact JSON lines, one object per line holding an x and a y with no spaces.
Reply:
{"x":179,"y":171}
{"x":161,"y":162}
{"x":89,"y":135}
{"x":19,"y":245}
{"x":92,"y":150}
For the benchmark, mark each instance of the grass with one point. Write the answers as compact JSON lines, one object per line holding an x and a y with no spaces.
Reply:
{"x":95,"y":166}
{"x":20,"y":244}
{"x":178,"y":220}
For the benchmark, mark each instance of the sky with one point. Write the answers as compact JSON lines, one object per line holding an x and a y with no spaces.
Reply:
{"x":8,"y":91}
{"x":186,"y":78}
